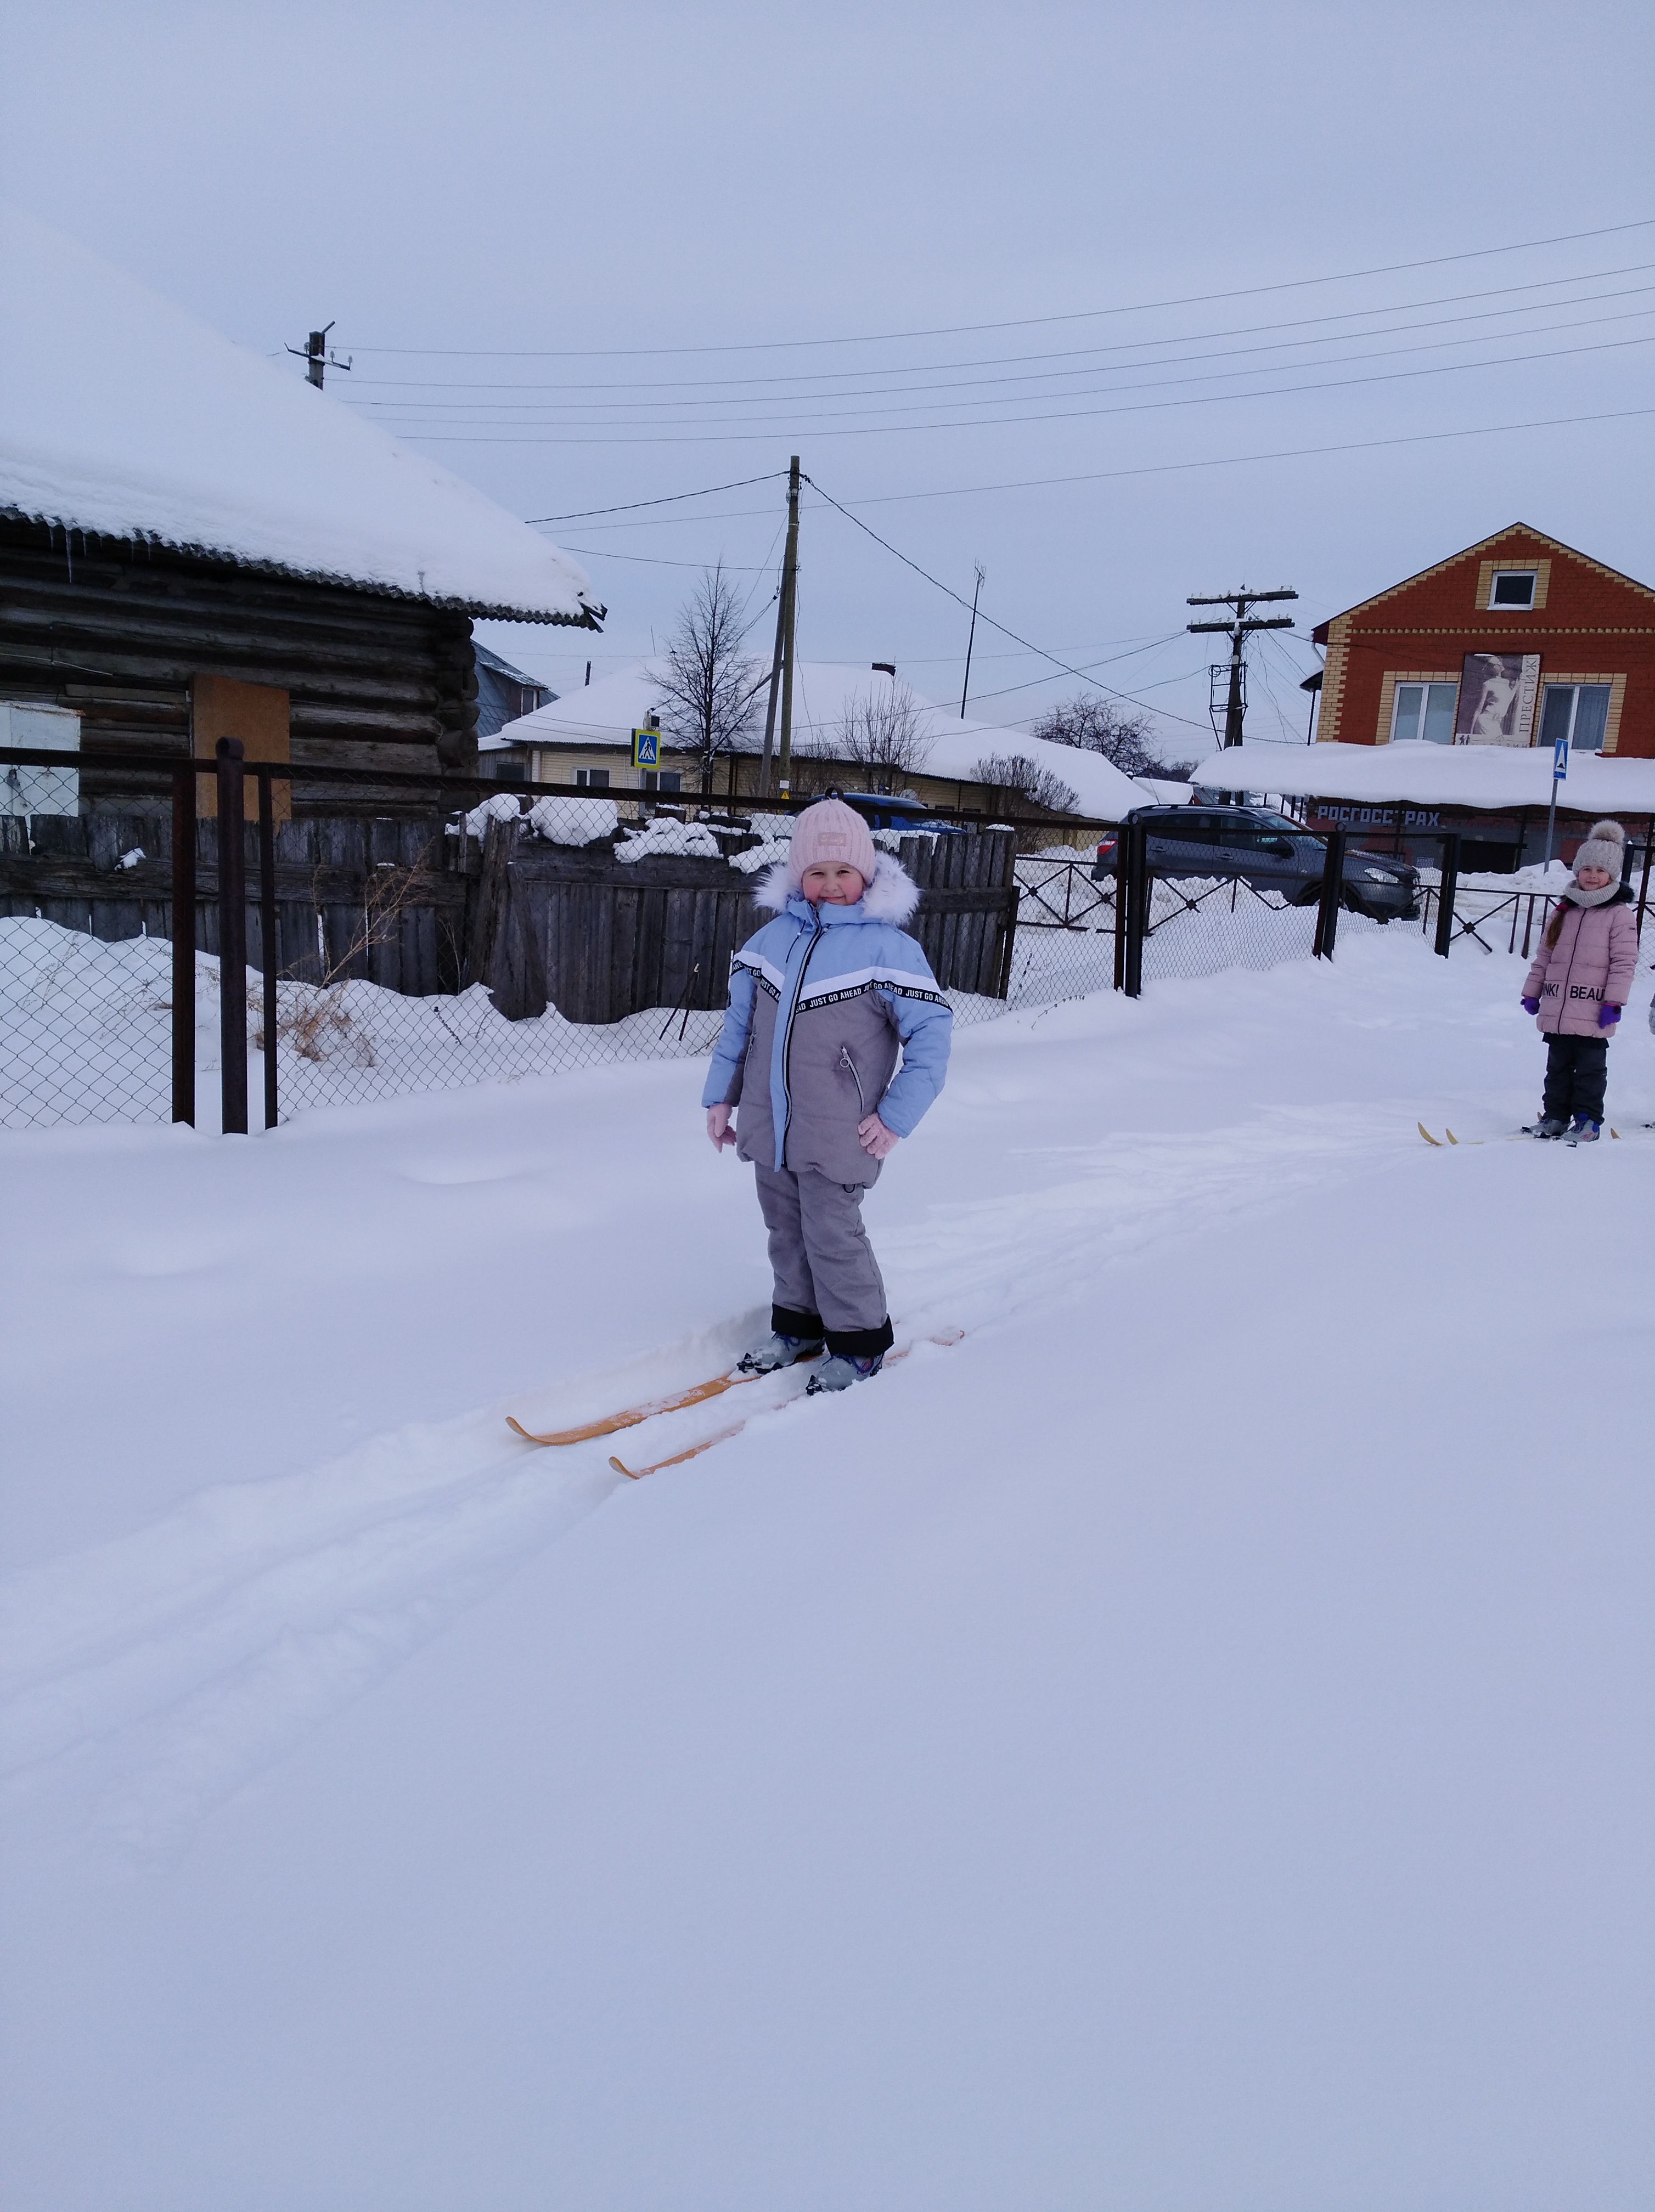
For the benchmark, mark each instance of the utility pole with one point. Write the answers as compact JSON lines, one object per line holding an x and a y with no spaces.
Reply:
{"x":1238,"y":631}
{"x":789,"y":609}
{"x":316,"y":357}
{"x":982,"y":579}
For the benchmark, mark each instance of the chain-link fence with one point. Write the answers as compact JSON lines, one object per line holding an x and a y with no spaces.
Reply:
{"x":86,"y":1003}
{"x":358,"y":936}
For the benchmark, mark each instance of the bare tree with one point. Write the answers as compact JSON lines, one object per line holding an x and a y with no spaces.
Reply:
{"x":1016,"y":772}
{"x":1092,"y":725}
{"x":880,"y":733}
{"x":708,"y":686}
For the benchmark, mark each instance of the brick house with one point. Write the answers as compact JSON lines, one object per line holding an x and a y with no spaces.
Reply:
{"x":1515,"y":642}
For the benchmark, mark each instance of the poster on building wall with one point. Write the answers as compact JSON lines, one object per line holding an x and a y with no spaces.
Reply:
{"x":1497,"y":699}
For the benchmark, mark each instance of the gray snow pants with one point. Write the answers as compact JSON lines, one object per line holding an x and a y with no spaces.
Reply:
{"x":827,"y":1280}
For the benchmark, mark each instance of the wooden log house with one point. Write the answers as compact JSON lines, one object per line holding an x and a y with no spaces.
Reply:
{"x":174,"y":507}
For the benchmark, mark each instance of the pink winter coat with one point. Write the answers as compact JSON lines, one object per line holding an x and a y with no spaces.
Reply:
{"x":1589,"y":966}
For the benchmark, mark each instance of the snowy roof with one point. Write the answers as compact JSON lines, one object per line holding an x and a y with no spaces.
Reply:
{"x":606,"y":711}
{"x":123,"y":415}
{"x":1526,"y":535}
{"x":1414,"y":770}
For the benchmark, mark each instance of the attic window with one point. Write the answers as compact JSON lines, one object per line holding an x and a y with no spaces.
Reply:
{"x":1512,"y":588}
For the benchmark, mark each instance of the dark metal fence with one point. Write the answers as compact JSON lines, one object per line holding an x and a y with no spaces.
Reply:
{"x":356,"y":935}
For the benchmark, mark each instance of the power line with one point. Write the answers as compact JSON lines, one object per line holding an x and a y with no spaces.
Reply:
{"x":1217,"y":461}
{"x":730,"y":436}
{"x":1072,"y":353}
{"x":484,"y":411}
{"x":1068,"y":669}
{"x":1020,"y":322}
{"x":667,"y":499}
{"x":656,"y":561}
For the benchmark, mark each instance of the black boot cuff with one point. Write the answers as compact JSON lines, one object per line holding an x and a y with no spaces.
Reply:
{"x":786,"y":1322}
{"x":861,"y":1343}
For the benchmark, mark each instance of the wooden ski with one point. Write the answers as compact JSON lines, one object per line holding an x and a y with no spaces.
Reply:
{"x":693,"y":1451}
{"x":697,"y":1394}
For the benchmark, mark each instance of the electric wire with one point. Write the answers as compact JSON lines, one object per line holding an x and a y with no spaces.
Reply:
{"x":1017,"y":639}
{"x":1020,"y":322}
{"x":1072,"y":353}
{"x":486,"y":410}
{"x":1213,"y":461}
{"x":733,"y":436}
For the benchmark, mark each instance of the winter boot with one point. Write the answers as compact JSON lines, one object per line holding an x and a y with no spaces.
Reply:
{"x":840,"y":1372}
{"x":1582,"y":1131}
{"x":777,"y":1352}
{"x":1547,"y":1126}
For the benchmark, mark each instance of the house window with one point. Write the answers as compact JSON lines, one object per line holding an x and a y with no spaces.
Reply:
{"x":592,"y":779}
{"x":666,"y":779}
{"x":1424,"y":710}
{"x":1579,"y":712}
{"x":1512,"y":588}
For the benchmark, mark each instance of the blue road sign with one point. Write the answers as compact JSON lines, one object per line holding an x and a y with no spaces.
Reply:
{"x":1559,"y":760}
{"x":646,"y":748}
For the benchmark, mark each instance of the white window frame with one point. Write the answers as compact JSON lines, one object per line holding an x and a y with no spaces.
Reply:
{"x":1510,"y":606}
{"x":1575,"y":685}
{"x":583,"y":777}
{"x":1422,"y":684}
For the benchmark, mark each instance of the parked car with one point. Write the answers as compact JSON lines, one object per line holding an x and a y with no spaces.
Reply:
{"x":882,"y":812}
{"x":1269,"y":851}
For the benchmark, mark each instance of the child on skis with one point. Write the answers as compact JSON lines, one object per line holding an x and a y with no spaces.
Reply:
{"x":1578,"y":987}
{"x":820,"y":1000}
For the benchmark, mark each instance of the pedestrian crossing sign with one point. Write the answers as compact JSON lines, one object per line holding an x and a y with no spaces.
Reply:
{"x":646,"y":748}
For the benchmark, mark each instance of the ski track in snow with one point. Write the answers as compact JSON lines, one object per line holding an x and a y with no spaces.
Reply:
{"x":155,"y":1676}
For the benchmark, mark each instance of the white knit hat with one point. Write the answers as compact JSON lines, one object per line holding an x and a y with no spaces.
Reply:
{"x":1605,"y":848}
{"x":831,"y":831}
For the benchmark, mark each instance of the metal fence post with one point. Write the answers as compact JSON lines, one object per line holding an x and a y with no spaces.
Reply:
{"x":1450,"y":877}
{"x":1137,"y":908}
{"x":267,"y":933}
{"x":1333,"y":884}
{"x":1121,"y":841}
{"x":184,"y":944}
{"x":232,"y":938}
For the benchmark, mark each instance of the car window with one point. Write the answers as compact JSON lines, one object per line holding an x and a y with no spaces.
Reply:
{"x":1188,"y":828}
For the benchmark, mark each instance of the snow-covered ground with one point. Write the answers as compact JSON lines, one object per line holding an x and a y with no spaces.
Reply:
{"x":1184,"y":1745}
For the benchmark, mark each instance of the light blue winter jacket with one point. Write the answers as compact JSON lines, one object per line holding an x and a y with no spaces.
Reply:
{"x":820,"y":1000}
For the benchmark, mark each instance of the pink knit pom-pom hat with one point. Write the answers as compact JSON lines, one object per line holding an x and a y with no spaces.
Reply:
{"x":827,"y":832}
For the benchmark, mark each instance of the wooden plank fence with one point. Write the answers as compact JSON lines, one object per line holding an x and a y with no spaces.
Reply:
{"x":358,"y":896}
{"x":601,"y":939}
{"x":408,"y":906}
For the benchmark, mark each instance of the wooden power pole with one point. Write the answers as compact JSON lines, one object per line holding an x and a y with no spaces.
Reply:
{"x":789,"y":610}
{"x":1238,"y":631}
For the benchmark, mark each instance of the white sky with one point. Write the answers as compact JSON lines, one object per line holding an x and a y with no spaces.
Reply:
{"x":551,"y":179}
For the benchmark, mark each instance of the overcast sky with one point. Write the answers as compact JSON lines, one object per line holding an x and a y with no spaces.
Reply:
{"x":588,"y":256}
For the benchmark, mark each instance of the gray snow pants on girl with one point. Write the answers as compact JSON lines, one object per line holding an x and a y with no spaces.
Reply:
{"x":827,"y":1280}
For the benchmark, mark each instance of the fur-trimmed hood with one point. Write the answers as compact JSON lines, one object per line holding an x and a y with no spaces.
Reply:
{"x":891,"y":897}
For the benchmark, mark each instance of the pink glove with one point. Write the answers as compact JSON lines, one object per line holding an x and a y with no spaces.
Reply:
{"x":1531,"y":1005}
{"x":1608,"y":1016}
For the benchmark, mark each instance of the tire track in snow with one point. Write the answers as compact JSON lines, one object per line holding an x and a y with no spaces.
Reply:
{"x":151,"y":1678}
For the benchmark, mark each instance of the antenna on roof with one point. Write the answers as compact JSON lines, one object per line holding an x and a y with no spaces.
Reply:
{"x":316,"y":357}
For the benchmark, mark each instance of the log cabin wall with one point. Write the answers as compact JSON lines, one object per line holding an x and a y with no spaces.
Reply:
{"x":115,"y":629}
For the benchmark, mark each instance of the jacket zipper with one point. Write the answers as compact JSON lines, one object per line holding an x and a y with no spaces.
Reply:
{"x":787,"y":1040}
{"x":845,"y":1060}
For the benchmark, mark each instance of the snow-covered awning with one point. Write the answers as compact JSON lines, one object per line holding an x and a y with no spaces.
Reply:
{"x":122,"y":416}
{"x":1415,"y":771}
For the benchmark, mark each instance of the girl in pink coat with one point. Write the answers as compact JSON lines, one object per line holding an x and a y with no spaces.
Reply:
{"x":1578,"y":987}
